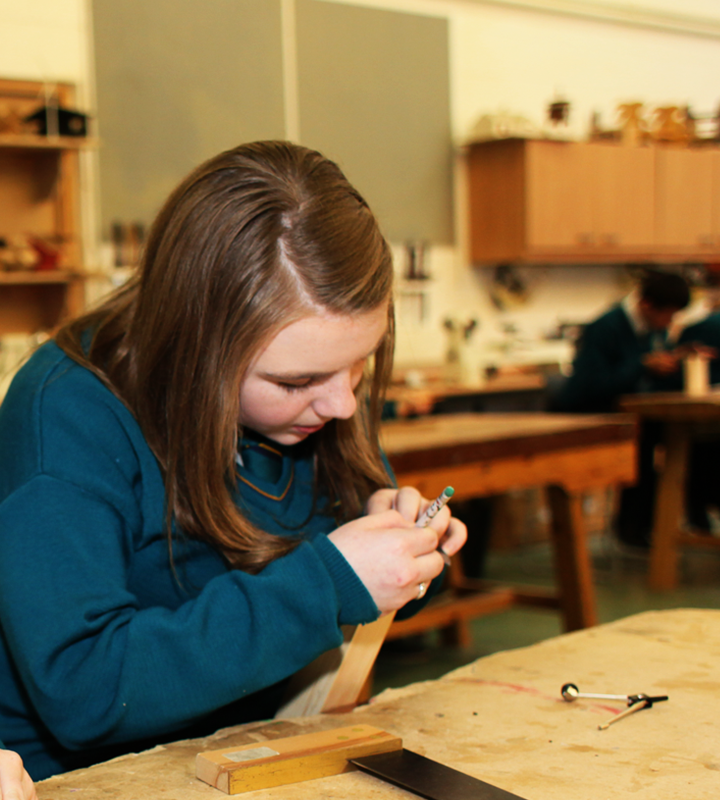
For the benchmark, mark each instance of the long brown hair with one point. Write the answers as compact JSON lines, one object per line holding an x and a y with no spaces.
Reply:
{"x":254,"y":239}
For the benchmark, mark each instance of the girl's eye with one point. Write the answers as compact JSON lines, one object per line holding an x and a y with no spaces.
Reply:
{"x":294,"y":387}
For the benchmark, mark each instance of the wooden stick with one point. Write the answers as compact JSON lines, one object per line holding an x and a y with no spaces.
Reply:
{"x":335,"y":680}
{"x":631,"y":710}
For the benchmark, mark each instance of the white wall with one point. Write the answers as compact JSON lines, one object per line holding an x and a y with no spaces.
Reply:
{"x":47,"y":40}
{"x":506,"y":56}
{"x":515,"y":59}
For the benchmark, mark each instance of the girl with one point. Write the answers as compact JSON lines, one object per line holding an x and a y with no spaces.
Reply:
{"x":192,"y":495}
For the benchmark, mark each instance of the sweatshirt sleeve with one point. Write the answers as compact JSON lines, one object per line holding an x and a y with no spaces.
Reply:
{"x":98,"y":668}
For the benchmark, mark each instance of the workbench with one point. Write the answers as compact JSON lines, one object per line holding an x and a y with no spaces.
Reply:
{"x":684,"y":418}
{"x":515,"y":392}
{"x":501,"y":719}
{"x":488,"y":454}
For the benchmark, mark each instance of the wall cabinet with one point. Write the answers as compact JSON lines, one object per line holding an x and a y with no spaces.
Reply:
{"x":688,"y":201}
{"x":39,"y":198}
{"x":544,"y":201}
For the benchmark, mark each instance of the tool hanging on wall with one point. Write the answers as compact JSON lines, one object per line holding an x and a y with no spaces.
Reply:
{"x":507,"y":288}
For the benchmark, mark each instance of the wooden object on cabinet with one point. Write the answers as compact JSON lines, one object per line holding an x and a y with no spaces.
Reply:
{"x":545,"y":200}
{"x":39,"y":195}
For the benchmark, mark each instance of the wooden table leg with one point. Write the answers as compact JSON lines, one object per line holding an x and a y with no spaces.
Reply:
{"x":669,"y":508}
{"x":572,"y":559}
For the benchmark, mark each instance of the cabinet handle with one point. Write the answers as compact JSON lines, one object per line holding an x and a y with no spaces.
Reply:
{"x":610,"y":239}
{"x":706,"y":240}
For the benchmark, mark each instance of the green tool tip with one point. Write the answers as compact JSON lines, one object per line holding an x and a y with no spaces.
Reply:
{"x":449,"y":491}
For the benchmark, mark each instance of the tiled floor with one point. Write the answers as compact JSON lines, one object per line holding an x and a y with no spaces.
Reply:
{"x":621,"y":583}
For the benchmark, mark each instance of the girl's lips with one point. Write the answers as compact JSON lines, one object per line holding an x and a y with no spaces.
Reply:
{"x":306,"y":429}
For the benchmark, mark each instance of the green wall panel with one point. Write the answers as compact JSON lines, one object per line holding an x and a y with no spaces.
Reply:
{"x":374,"y":95}
{"x":177,"y":82}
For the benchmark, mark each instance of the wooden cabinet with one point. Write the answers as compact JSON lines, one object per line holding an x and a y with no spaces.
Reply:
{"x":533,"y":201}
{"x":688,"y":200}
{"x":585,"y":199}
{"x":39,"y":198}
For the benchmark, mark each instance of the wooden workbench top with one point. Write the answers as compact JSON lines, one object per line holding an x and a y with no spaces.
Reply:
{"x":502,"y":719}
{"x":674,"y":406}
{"x":462,"y":438}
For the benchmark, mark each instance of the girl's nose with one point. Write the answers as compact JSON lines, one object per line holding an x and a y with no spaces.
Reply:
{"x":338,"y":401}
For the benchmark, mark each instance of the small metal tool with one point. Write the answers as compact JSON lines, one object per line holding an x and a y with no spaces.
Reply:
{"x":635,"y":702}
{"x":571,"y":692}
{"x":640,"y":701}
{"x":429,"y":513}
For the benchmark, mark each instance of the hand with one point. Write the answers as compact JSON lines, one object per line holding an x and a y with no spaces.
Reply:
{"x":698,"y":348}
{"x":390,"y":555}
{"x":662,"y":362}
{"x":451,"y":533}
{"x":15,"y":783}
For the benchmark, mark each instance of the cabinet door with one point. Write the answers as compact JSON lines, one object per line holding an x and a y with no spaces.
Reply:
{"x":622,"y":185}
{"x":590,"y":200}
{"x":496,"y":190}
{"x":715,"y":222}
{"x":559,"y":206}
{"x":684,"y":200}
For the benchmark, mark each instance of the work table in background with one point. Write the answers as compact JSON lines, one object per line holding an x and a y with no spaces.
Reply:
{"x":515,"y":390}
{"x":501,"y":719}
{"x":485,"y":454}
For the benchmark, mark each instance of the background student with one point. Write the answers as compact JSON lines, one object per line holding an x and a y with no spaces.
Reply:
{"x":626,"y":351}
{"x":193,"y":498}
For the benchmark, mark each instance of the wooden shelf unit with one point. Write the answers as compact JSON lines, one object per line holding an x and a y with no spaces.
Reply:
{"x":544,"y":201}
{"x":32,"y":142}
{"x":39,"y":196}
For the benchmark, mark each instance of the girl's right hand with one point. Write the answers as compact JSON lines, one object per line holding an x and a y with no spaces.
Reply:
{"x":390,"y":555}
{"x":15,"y":783}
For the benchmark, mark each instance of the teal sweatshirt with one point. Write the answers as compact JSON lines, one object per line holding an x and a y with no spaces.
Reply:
{"x":102,"y":649}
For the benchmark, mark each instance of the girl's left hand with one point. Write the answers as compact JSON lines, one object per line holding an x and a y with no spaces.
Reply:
{"x":410,"y":503}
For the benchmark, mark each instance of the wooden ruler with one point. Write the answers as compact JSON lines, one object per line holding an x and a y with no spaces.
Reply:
{"x":276,"y":762}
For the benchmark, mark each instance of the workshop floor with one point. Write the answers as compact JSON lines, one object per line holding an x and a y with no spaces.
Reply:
{"x":621,"y":583}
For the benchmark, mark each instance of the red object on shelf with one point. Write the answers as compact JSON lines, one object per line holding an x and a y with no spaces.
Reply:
{"x":48,"y":257}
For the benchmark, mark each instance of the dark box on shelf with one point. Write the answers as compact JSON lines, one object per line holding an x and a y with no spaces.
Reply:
{"x":69,"y":122}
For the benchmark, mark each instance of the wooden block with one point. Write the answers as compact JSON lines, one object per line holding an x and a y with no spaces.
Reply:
{"x":261,"y":765}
